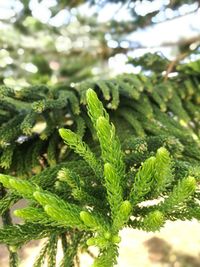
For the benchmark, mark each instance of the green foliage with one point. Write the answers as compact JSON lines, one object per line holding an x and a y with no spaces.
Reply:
{"x":143,"y":180}
{"x":162,"y":108}
{"x":88,"y":161}
{"x":153,"y":221}
{"x":89,"y":201}
{"x":74,"y":141}
{"x":151,"y":61}
{"x":181,"y":192}
{"x":163,"y":170}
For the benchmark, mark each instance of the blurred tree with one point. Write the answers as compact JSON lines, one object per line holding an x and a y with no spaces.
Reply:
{"x":52,"y":41}
{"x":66,"y":47}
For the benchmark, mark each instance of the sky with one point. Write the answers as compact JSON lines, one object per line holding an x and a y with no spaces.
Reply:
{"x":185,"y":26}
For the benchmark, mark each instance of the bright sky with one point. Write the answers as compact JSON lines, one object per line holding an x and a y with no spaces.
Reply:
{"x":170,"y":31}
{"x":163,"y":32}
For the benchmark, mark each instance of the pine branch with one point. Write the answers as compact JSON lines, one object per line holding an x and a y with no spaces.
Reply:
{"x":151,"y":152}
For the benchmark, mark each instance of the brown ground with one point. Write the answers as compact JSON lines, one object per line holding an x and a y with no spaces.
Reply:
{"x":177,"y":245}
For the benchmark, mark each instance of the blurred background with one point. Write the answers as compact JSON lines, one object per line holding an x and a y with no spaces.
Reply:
{"x":61,"y":41}
{"x":49,"y":41}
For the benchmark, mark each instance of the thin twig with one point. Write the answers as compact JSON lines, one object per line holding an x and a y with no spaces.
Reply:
{"x":91,"y":254}
{"x":173,"y":64}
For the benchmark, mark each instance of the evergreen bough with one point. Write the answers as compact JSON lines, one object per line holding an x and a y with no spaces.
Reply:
{"x":88,"y":198}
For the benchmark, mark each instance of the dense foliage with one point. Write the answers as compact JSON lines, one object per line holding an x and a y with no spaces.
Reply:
{"x":91,"y":152}
{"x":102,"y":190}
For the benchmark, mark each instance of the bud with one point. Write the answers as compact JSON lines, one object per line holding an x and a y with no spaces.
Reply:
{"x":91,"y":96}
{"x":163,"y":152}
{"x":116,"y":239}
{"x":154,"y":221}
{"x":107,"y":235}
{"x":91,"y":242}
{"x":13,"y":248}
{"x":125,"y":208}
{"x":63,"y":133}
{"x":191,"y":183}
{"x":108,"y":170}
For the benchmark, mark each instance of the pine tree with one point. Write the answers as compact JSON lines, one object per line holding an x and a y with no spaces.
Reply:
{"x":89,"y":205}
{"x":88,"y":151}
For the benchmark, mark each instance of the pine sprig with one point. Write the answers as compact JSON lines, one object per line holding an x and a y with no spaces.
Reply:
{"x":66,"y":214}
{"x":181,"y":192}
{"x":143,"y":181}
{"x":75,"y":142}
{"x":163,"y":175}
{"x":91,"y":200}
